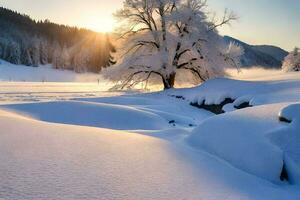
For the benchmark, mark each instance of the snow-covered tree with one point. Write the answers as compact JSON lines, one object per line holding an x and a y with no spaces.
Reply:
{"x":161,"y":37}
{"x":81,"y":60}
{"x":106,"y":53}
{"x":14,"y":52}
{"x":61,"y":58}
{"x":2,"y":47}
{"x":10,"y":50}
{"x":43,"y":52}
{"x":27,"y":58}
{"x":65,"y":58}
{"x":292,"y":61}
{"x":35,"y":51}
{"x":57,"y":61}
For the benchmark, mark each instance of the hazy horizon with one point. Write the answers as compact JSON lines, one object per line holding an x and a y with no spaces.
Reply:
{"x":253,"y":27}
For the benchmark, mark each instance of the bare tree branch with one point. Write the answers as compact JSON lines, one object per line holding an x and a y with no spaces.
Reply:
{"x":227,"y":19}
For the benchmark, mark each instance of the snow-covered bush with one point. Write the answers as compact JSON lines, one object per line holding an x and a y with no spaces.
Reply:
{"x":292,"y":61}
{"x":160,"y":38}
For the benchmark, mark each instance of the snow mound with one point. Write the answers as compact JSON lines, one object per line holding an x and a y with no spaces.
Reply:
{"x":102,"y":115}
{"x":239,"y":138}
{"x":292,"y":113}
{"x":288,"y":139}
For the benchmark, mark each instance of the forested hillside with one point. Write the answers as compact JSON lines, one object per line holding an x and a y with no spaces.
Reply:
{"x":260,"y":55}
{"x":32,"y":43}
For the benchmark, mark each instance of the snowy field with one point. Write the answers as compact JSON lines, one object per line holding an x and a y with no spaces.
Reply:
{"x":45,"y":73}
{"x":72,"y":140}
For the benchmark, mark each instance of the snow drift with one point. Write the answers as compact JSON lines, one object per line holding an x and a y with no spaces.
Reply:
{"x":288,"y":139}
{"x":239,"y":138}
{"x":92,"y":114}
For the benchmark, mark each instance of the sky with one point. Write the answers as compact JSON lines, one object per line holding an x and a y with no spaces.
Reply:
{"x":274,"y":22}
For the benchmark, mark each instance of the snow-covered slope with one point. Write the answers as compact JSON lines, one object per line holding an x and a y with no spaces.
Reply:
{"x":44,"y":73}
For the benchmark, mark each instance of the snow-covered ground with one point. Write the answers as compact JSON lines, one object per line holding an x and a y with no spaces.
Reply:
{"x":43,"y":73}
{"x":77,"y":141}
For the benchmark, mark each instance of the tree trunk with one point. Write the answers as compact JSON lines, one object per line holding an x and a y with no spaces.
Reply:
{"x":169,"y":81}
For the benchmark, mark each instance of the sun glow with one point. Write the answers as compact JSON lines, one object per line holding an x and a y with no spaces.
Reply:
{"x":98,"y":24}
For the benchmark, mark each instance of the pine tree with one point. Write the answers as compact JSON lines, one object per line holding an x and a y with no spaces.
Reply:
{"x":43,"y":52}
{"x":65,"y":58}
{"x":35,"y":51}
{"x":56,"y":56}
{"x":81,"y":61}
{"x":3,"y":48}
{"x":14,"y":53}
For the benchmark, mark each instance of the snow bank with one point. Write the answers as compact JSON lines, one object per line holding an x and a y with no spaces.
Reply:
{"x":288,"y":139}
{"x":92,"y":114}
{"x":239,"y":138}
{"x":253,"y":92}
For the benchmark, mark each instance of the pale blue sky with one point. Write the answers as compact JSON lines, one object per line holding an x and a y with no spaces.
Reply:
{"x":274,"y":22}
{"x":264,"y":21}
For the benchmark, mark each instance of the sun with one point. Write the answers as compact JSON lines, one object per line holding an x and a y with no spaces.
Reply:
{"x":100,"y":24}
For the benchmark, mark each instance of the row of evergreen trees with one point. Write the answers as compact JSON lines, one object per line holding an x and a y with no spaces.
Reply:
{"x":25,"y":41}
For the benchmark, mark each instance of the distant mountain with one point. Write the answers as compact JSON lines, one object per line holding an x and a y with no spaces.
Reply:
{"x":260,"y":55}
{"x":274,"y":51}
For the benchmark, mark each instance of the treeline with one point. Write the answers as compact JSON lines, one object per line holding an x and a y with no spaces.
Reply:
{"x":32,"y":43}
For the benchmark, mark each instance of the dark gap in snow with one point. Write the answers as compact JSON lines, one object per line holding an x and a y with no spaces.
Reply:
{"x":172,"y":122}
{"x":243,"y":105}
{"x":178,"y":97}
{"x":283,"y":119}
{"x":284,"y":174}
{"x":214,"y":108}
